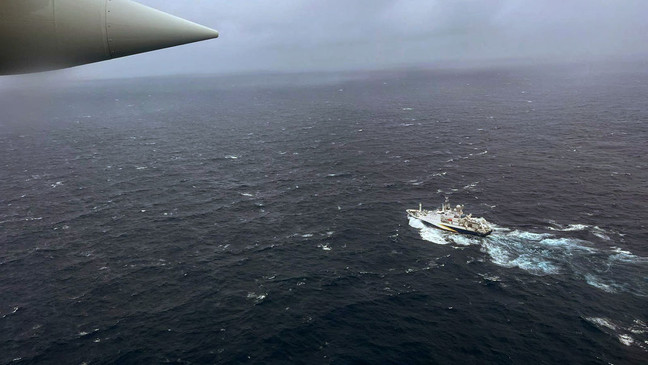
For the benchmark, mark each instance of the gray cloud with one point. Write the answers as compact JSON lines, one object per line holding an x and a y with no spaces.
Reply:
{"x":301,"y":35}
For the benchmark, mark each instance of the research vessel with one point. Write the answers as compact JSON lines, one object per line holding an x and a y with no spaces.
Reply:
{"x":452,"y":220}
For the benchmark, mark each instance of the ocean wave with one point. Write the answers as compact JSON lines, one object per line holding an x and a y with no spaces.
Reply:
{"x":257,"y":298}
{"x":597,"y":282}
{"x":325,"y":247}
{"x":618,"y":254}
{"x":28,"y":219}
{"x":595,"y":230}
{"x":634,"y":333}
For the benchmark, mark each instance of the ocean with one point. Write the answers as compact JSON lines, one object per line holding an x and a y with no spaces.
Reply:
{"x":261,"y":218}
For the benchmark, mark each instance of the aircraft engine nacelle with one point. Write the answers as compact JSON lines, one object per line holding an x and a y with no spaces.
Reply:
{"x":39,"y":35}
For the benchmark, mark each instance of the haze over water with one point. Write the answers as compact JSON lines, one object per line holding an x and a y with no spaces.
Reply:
{"x":261,"y":219}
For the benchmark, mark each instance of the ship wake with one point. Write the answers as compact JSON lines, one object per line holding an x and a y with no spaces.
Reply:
{"x":609,"y":269}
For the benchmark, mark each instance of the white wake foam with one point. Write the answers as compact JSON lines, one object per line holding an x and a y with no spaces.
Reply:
{"x":595,"y":230}
{"x":551,"y":254}
{"x":428,"y":233}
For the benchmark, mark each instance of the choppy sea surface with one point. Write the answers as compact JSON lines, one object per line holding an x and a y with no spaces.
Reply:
{"x":261,"y":219}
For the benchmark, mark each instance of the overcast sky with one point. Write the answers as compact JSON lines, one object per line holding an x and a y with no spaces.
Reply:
{"x":304,"y":35}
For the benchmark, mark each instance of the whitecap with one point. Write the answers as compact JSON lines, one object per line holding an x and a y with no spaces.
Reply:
{"x":628,"y":334}
{"x":626,"y":339}
{"x":602,"y":322}
{"x":597,"y":283}
{"x":638,"y":327}
{"x":84,"y":333}
{"x":489,"y":277}
{"x":626,"y":256}
{"x":600,"y":233}
{"x":258,"y":298}
{"x":576,"y":227}
{"x":28,"y":219}
{"x":14,"y":310}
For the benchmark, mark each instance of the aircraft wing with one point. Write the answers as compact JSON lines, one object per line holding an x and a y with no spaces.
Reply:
{"x":40,"y":35}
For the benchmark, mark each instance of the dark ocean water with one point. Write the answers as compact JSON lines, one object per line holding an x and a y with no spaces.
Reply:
{"x":261,"y":219}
